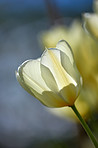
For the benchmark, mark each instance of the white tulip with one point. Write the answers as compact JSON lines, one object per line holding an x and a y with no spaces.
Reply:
{"x":53,"y":78}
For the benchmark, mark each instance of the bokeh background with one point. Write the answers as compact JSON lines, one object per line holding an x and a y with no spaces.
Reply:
{"x":24,"y":121}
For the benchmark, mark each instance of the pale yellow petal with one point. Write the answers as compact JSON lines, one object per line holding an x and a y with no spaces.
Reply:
{"x":65,"y":47}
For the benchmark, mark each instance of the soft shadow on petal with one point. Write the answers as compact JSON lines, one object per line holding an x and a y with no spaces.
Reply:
{"x":69,"y":68}
{"x":48,"y":78}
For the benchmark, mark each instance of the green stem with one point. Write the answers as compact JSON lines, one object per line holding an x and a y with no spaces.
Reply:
{"x":85,"y":126}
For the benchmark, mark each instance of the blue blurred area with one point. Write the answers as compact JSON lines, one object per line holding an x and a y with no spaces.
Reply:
{"x":74,"y":7}
{"x":67,"y":7}
{"x":21,"y":5}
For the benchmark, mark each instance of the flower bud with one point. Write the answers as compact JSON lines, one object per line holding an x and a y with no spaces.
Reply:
{"x":95,"y":6}
{"x":91,"y":24}
{"x":53,"y":78}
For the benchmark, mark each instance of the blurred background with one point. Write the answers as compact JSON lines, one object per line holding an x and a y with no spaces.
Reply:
{"x":24,"y":27}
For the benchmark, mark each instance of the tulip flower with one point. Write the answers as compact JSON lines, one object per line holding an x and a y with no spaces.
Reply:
{"x":54,"y":78}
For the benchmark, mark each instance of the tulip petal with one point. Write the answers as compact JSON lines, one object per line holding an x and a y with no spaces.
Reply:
{"x":31,"y":74}
{"x":63,"y":46}
{"x":51,"y":59}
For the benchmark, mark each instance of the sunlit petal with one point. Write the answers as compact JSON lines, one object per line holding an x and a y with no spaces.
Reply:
{"x":32,"y":75}
{"x":65,"y":47}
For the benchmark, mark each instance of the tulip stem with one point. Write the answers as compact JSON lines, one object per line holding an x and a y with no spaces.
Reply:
{"x":85,"y":126}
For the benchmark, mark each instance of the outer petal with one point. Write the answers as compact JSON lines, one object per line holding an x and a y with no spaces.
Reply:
{"x":67,"y":61}
{"x":65,"y":47}
{"x":32,"y":76}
